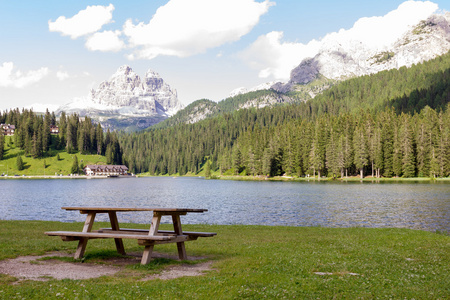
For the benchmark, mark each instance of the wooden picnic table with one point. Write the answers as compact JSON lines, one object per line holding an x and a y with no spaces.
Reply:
{"x":147,"y":238}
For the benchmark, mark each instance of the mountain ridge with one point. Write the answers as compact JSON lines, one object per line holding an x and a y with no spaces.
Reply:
{"x":337,"y":60}
{"x":127,"y":101}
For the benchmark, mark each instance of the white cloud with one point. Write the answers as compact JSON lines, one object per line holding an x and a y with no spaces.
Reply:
{"x":18,"y":79}
{"x":105,"y":41}
{"x":273,"y":57}
{"x":87,"y":21}
{"x":183,"y":28}
{"x":40,"y":107}
{"x":62,"y":75}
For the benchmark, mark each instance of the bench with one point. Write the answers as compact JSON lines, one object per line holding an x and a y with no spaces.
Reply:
{"x":162,"y":232}
{"x":147,"y":238}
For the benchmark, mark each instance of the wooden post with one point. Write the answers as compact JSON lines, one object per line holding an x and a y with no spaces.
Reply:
{"x":178,"y":231}
{"x":83,"y":241}
{"x":154,"y":226}
{"x":115,"y":226}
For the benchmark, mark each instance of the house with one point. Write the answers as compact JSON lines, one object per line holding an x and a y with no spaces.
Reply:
{"x":8,"y":129}
{"x":105,"y":170}
{"x":54,"y":129}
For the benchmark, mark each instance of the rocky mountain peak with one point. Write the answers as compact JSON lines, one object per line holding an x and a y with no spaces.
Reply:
{"x":125,"y":96}
{"x":339,"y":60}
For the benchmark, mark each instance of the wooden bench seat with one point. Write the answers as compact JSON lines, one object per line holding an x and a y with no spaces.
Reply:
{"x":74,"y":235}
{"x":162,"y":232}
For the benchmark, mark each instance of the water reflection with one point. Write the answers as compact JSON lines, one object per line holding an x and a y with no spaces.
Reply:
{"x":408,"y":205}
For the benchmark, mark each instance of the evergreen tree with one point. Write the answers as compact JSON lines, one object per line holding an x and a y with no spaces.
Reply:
{"x":19,"y":163}
{"x":75,"y":168}
{"x":99,"y":136}
{"x":237,"y":160}
{"x":208,"y":169}
{"x":407,"y":147}
{"x":360,"y":149}
{"x":2,"y":144}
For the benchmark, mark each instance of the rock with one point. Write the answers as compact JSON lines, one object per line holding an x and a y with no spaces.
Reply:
{"x":142,"y":102}
{"x":340,"y":60}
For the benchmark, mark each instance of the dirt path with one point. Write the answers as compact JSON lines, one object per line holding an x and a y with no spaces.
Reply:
{"x":32,"y":268}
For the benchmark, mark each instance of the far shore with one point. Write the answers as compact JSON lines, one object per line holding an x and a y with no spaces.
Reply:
{"x":62,"y":177}
{"x":239,"y":178}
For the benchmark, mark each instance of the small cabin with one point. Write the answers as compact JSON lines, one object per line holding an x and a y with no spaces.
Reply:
{"x":8,"y":129}
{"x":105,"y":170}
{"x":54,"y":129}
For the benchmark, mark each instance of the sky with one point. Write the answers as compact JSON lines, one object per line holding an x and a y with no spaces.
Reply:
{"x":52,"y":51}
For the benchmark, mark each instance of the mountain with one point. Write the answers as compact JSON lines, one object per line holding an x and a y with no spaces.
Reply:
{"x":204,"y":108}
{"x":344,"y":59}
{"x":126,"y":101}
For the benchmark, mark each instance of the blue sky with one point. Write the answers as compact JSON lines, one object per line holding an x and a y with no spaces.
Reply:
{"x":54,"y":51}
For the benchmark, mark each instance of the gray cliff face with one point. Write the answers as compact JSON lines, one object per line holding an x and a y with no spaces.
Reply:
{"x":126,"y":89}
{"x":340,"y":61}
{"x":127,"y":101}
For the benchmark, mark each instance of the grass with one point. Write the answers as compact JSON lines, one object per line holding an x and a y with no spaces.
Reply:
{"x":35,"y":167}
{"x":251,"y":262}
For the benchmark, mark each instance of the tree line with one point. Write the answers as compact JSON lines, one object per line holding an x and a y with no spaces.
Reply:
{"x":378,"y":144}
{"x":76,"y":134}
{"x":358,"y":126}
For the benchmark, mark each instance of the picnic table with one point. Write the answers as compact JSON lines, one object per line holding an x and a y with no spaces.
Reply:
{"x":147,"y":238}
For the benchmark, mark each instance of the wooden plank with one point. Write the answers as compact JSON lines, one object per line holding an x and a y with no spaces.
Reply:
{"x":110,"y":235}
{"x":177,"y":239}
{"x":145,"y":231}
{"x":86,"y":209}
{"x":115,"y":226}
{"x":147,"y":255}
{"x":81,"y":248}
{"x":178,"y":231}
{"x":192,"y":233}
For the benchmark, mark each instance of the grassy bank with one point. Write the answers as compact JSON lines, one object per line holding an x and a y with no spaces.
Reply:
{"x":251,"y":262}
{"x":56,"y":162}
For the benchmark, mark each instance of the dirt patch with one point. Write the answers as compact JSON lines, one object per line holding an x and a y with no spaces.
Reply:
{"x":33,"y":268}
{"x":181,"y":271}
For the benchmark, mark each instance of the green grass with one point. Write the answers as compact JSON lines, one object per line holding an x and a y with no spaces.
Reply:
{"x":35,"y":167}
{"x":251,"y":262}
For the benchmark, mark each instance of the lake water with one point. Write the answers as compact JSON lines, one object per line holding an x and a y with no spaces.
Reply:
{"x":424,"y":206}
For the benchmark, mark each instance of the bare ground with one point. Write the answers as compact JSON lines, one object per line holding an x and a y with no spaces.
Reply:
{"x":34,"y":268}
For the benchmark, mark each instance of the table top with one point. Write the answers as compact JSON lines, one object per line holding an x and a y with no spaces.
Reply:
{"x":123,"y":209}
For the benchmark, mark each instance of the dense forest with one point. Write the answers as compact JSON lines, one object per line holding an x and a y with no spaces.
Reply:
{"x":394,"y":123}
{"x":75,"y":135}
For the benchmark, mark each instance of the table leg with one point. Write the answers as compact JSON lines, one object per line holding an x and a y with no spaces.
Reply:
{"x":154,"y":226}
{"x":115,"y":227}
{"x":178,"y":231}
{"x":83,"y":242}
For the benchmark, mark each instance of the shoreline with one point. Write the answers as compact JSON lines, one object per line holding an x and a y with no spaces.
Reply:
{"x":241,"y":178}
{"x":63,"y":177}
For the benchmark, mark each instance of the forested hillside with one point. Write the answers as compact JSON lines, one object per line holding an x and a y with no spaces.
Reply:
{"x":204,"y":108}
{"x":394,"y":123}
{"x":76,"y":134}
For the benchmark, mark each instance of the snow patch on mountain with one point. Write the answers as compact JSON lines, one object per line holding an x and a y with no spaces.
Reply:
{"x":343,"y":59}
{"x":126,"y":95}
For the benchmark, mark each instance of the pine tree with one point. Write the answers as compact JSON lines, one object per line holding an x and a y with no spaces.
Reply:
{"x":99,"y":135}
{"x":208,"y":168}
{"x":237,"y":160}
{"x":75,"y":168}
{"x":408,"y":161}
{"x":19,"y":163}
{"x":2,"y":144}
{"x":360,"y":150}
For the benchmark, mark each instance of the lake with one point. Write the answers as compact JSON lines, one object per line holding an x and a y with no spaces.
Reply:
{"x":416,"y":205}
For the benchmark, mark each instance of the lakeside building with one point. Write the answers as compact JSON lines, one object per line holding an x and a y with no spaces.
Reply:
{"x":8,"y":129}
{"x":105,"y":170}
{"x":54,"y":129}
